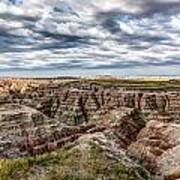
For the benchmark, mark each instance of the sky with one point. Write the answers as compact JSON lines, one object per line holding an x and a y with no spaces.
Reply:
{"x":89,"y":37}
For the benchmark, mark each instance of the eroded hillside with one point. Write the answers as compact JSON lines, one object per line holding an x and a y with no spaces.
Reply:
{"x":89,"y":129}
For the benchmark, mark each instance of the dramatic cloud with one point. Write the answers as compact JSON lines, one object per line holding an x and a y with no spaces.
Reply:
{"x":90,"y":35}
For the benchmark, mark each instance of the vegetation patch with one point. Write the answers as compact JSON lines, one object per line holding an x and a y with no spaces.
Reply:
{"x":69,"y":164}
{"x":131,"y":84}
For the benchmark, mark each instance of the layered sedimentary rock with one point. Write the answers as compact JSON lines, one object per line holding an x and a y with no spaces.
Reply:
{"x":25,"y":131}
{"x":18,"y":123}
{"x":127,"y":127}
{"x":75,"y":103}
{"x":41,"y":117}
{"x":157,"y":148}
{"x":91,"y":156}
{"x":123,"y":127}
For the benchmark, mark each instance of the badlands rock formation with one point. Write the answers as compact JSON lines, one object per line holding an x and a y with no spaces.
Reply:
{"x":157,"y":148}
{"x":140,"y":127}
{"x":76,"y":102}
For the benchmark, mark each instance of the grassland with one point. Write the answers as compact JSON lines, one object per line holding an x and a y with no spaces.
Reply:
{"x":67,"y":165}
{"x":135,"y":84}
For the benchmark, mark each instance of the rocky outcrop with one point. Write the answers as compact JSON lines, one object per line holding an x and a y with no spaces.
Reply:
{"x":75,"y":103}
{"x":53,"y":141}
{"x":91,"y":156}
{"x":18,"y":123}
{"x":127,"y":127}
{"x":157,"y":148}
{"x":124,"y":127}
{"x":25,"y":131}
{"x":44,"y":116}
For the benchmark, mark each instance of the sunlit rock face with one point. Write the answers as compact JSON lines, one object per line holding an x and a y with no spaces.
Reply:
{"x":157,"y":148}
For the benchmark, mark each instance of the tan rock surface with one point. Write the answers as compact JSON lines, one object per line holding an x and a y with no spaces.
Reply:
{"x":157,"y":148}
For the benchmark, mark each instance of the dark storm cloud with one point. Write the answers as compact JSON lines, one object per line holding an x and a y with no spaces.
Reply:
{"x":150,"y":7}
{"x":147,"y":9}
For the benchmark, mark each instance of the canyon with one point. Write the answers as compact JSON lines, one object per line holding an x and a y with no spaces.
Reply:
{"x":137,"y":125}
